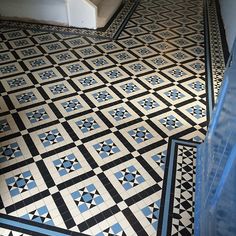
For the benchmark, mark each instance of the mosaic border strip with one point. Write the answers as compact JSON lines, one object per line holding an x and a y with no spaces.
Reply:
{"x":111,"y":31}
{"x":216,"y":53}
{"x":171,"y":223}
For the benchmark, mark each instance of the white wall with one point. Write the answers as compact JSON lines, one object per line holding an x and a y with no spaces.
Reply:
{"x":35,"y":9}
{"x":228,"y":12}
{"x":78,"y":13}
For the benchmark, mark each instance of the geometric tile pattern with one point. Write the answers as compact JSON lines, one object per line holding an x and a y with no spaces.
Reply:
{"x":67,"y":164}
{"x":9,"y":152}
{"x":152,"y":213}
{"x":37,"y":115}
{"x":51,"y":137}
{"x":129,"y":177}
{"x":40,"y":215}
{"x":114,"y":230}
{"x":87,"y":198}
{"x":106,"y":148}
{"x":86,"y":124}
{"x":140,"y":134}
{"x":170,"y":122}
{"x":20,"y":183}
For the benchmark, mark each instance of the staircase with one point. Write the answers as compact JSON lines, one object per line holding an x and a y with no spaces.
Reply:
{"x":91,"y":14}
{"x":105,"y":10}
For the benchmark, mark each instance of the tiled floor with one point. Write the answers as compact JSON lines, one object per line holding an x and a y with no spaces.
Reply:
{"x":99,"y":137}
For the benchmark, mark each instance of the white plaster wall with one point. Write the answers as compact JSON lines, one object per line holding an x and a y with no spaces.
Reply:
{"x":228,"y":12}
{"x":78,"y":13}
{"x":82,"y":13}
{"x":42,"y":10}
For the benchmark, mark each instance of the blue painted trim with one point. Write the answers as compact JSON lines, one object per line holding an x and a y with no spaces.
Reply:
{"x":198,"y":182}
{"x":168,"y":190}
{"x":228,"y":169}
{"x":169,"y":181}
{"x":35,"y":229}
{"x":220,"y":103}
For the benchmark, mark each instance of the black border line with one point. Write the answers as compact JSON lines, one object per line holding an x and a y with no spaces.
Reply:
{"x":208,"y":62}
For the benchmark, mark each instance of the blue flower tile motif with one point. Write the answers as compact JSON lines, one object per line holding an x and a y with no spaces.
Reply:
{"x":109,"y":46}
{"x":119,"y":113}
{"x":37,"y":62}
{"x":75,"y":68}
{"x":37,"y":115}
{"x":113,"y":74}
{"x":149,"y":38}
{"x":198,"y":50}
{"x":87,"y":51}
{"x":26,"y":97}
{"x":129,"y":177}
{"x":76,"y":42}
{"x":197,"y":111}
{"x":8,"y":69}
{"x":152,"y":213}
{"x":17,"y":82}
{"x":198,"y":86}
{"x":4,"y":126}
{"x":106,"y":148}
{"x":46,"y":75}
{"x":10,"y":152}
{"x":53,"y":46}
{"x":20,"y":183}
{"x":99,"y":62}
{"x":160,"y":159}
{"x":148,"y":104}
{"x":177,"y":73}
{"x":159,"y":61}
{"x":102,"y":96}
{"x":130,"y":42}
{"x":40,"y":215}
{"x":67,"y":164}
{"x":15,"y":34}
{"x":4,"y":57}
{"x":130,"y":87}
{"x":51,"y":137}
{"x":28,"y":52}
{"x":154,"y":80}
{"x":171,"y":122}
{"x":58,"y":88}
{"x":87,"y":124}
{"x":198,"y":66}
{"x":87,"y":198}
{"x":21,"y":42}
{"x":45,"y":38}
{"x":140,"y":134}
{"x":137,"y":67}
{"x":123,"y":56}
{"x":63,"y":56}
{"x":72,"y":105}
{"x":144,"y":51}
{"x":174,"y":94}
{"x":114,"y":230}
{"x":87,"y":81}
